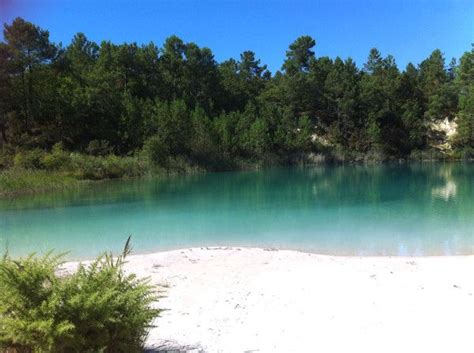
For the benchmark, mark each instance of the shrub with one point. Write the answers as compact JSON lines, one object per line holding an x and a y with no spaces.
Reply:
{"x":99,"y":148}
{"x":28,"y":159}
{"x":57,"y":159}
{"x":180,"y":164}
{"x":99,"y":308}
{"x":467,"y":153}
{"x":108,"y":167}
{"x":156,"y":150}
{"x":113,"y":167}
{"x":30,"y":318}
{"x":134,"y":166}
{"x":85,"y":167}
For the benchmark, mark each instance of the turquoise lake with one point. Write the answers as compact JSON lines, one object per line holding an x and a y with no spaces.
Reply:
{"x":396,"y":209}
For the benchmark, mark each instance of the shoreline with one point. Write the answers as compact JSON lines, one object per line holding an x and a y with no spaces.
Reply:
{"x":151,"y":253}
{"x":57,"y":181}
{"x":234,"y":299}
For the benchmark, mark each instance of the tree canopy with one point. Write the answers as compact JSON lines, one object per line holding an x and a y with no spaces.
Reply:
{"x":178,"y":99}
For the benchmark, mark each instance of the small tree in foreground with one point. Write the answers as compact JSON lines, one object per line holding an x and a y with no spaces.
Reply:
{"x":99,"y":308}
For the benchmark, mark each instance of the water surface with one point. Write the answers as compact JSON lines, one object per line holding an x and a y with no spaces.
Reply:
{"x":402,"y":209}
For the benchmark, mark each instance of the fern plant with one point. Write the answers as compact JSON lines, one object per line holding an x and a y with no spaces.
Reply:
{"x":98,"y":308}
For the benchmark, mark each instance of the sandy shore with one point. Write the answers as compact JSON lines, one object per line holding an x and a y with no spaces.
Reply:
{"x":256,"y":300}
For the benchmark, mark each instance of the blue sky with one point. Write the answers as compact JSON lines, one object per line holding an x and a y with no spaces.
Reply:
{"x":409,"y":30}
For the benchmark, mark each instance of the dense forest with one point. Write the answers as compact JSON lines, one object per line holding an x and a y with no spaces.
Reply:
{"x":176,"y":102}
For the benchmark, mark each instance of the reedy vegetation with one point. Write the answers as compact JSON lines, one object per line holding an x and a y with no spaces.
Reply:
{"x":176,"y":105}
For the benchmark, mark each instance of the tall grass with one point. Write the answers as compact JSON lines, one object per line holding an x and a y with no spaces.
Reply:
{"x":17,"y":180}
{"x":37,"y":170}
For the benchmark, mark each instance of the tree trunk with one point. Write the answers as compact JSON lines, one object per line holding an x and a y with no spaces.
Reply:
{"x":25,"y":103}
{"x":3,"y":133}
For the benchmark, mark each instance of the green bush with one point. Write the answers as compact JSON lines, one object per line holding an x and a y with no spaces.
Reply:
{"x":98,"y":308}
{"x":467,"y":153}
{"x":29,"y":159}
{"x":57,"y":159}
{"x":86,"y":167}
{"x":156,"y":150}
{"x":108,"y":167}
{"x":180,"y":164}
{"x":462,"y":154}
{"x":99,"y":148}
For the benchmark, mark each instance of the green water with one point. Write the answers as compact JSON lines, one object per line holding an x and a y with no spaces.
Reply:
{"x":403,"y":209}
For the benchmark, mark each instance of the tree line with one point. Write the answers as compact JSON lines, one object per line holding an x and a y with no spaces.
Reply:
{"x":177,"y":100}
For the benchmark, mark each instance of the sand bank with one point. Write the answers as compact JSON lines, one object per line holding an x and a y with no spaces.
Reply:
{"x":256,"y":300}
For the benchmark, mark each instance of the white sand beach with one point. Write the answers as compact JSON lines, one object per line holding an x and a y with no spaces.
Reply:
{"x":257,"y":300}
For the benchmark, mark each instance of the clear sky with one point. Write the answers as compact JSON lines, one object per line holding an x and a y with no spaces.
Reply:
{"x":407,"y":29}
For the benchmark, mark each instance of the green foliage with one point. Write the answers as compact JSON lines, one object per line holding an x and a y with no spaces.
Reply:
{"x":256,"y":140}
{"x":57,"y":159}
{"x":203,"y":143}
{"x":465,"y":138}
{"x":29,"y":159}
{"x":40,"y":171}
{"x":304,"y":134}
{"x":14,"y":181}
{"x":98,"y":308}
{"x":172,"y":123}
{"x":30,"y":305}
{"x":176,"y":103}
{"x":300,"y":55}
{"x":156,"y":150}
{"x":107,"y":167}
{"x":99,"y":148}
{"x":226,"y":126}
{"x":68,"y":170}
{"x":428,"y":155}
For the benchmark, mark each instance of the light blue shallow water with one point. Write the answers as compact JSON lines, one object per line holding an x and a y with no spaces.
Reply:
{"x":407,"y":209}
